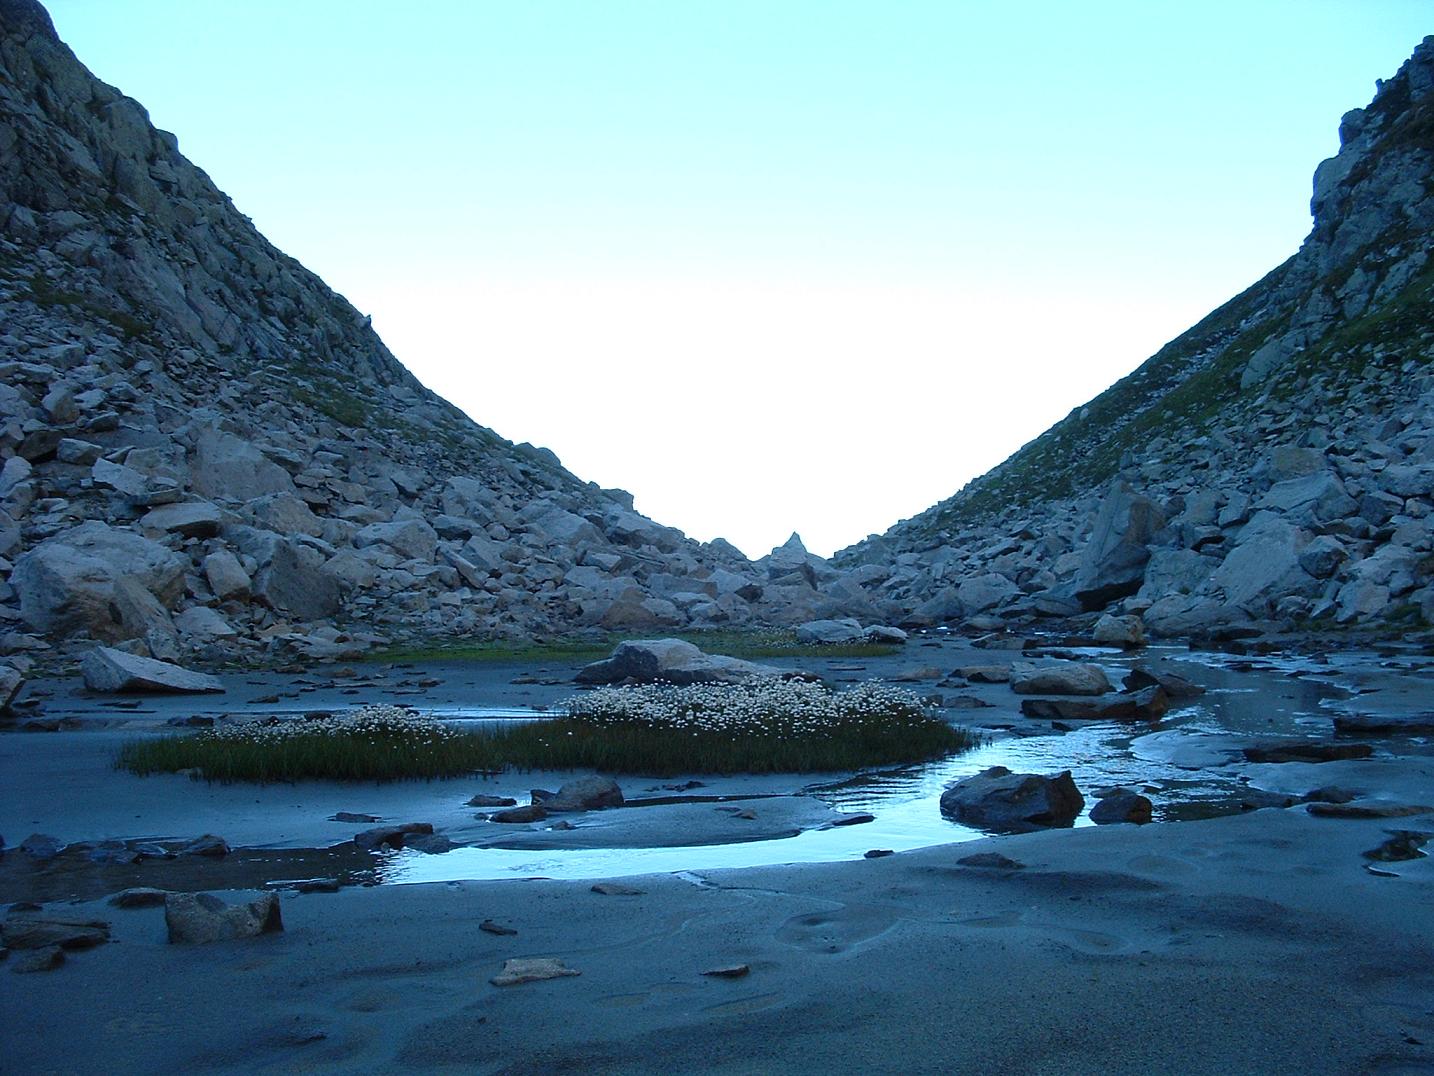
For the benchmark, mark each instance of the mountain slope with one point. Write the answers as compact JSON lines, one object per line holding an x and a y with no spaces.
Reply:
{"x":1319,"y":373}
{"x":206,"y":451}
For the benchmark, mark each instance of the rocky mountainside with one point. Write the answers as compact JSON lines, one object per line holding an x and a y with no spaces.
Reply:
{"x":207,"y":452}
{"x":1275,"y":463}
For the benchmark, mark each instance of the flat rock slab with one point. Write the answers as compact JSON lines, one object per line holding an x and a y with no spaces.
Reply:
{"x":1299,"y":751}
{"x":616,"y":889}
{"x":1367,"y":809}
{"x":532,"y":970}
{"x":108,"y":670}
{"x":42,"y":932}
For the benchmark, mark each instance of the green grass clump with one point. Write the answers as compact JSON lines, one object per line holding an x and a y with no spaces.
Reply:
{"x":768,"y":726}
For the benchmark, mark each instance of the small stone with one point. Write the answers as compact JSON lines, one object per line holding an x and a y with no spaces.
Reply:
{"x":317,"y":885}
{"x":431,"y":843}
{"x":482,"y":800}
{"x":490,"y":927}
{"x":207,"y":845}
{"x":730,"y":971}
{"x":616,"y":889}
{"x":532,"y":813}
{"x":350,"y":816}
{"x":391,"y":836}
{"x":532,"y":970}
{"x":854,"y":820}
{"x":1367,"y":809}
{"x":748,"y":814}
{"x":991,"y":861}
{"x":1403,"y":844}
{"x":878,"y":853}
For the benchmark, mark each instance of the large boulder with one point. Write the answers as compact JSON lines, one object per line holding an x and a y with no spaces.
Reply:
{"x":192,"y":519}
{"x":411,"y":538}
{"x":1122,"y":631}
{"x":296,"y":581}
{"x":1113,"y":562}
{"x":199,"y":918}
{"x":583,"y":794}
{"x":1004,"y":802}
{"x":671,"y":661}
{"x":1067,"y":678}
{"x":109,"y":670}
{"x":987,"y":591}
{"x":229,"y":468}
{"x":67,"y":583}
{"x":1264,"y":565}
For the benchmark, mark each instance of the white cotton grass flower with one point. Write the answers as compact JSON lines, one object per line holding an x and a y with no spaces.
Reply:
{"x":373,"y":723}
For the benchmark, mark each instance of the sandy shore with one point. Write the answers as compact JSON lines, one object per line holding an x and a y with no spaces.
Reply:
{"x":1255,"y":944}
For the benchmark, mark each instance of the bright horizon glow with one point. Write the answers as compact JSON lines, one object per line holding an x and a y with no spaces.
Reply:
{"x":797,"y":266}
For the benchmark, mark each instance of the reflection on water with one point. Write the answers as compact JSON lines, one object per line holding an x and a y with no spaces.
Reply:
{"x":1272,"y":699}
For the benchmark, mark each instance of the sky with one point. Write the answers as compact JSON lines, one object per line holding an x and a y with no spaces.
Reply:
{"x":770,"y":265}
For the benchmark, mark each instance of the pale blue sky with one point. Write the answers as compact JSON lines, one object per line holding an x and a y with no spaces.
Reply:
{"x":770,"y":266}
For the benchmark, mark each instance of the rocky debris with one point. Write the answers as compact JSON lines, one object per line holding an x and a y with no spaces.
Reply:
{"x":1301,"y":499}
{"x":482,"y":800}
{"x":1402,"y":844}
{"x":37,"y":930}
{"x":1301,"y":751}
{"x":391,"y":836}
{"x":200,"y":918}
{"x":110,"y":671}
{"x":532,"y":970}
{"x":1121,"y":806}
{"x":1067,"y":678}
{"x":990,"y":861}
{"x":1000,"y":801}
{"x":582,"y":794}
{"x":1148,"y":704}
{"x":139,"y":897}
{"x":670,"y":661}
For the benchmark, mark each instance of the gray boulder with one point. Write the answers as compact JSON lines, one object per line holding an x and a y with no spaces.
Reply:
{"x":583,"y":794}
{"x":1004,"y":802}
{"x":1122,"y":807}
{"x":110,"y":670}
{"x":226,"y":576}
{"x":1125,"y":631}
{"x":671,"y":661}
{"x":986,"y":591}
{"x":296,"y":581}
{"x":1067,"y":678}
{"x":1113,"y":562}
{"x":193,"y":519}
{"x":67,"y":583}
{"x":232,"y":469}
{"x":200,"y":918}
{"x":411,"y":538}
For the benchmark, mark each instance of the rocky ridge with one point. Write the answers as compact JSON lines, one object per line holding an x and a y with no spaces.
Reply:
{"x":1274,"y":465}
{"x":207,"y":453}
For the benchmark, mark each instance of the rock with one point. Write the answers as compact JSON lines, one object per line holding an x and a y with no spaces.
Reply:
{"x":412,"y":538}
{"x":196,"y":519}
{"x":985,"y":674}
{"x":860,"y":818}
{"x":200,"y":918}
{"x":391,"y":836}
{"x":350,"y":816}
{"x":46,"y":959}
{"x":11,"y":681}
{"x":42,"y":846}
{"x":1403,"y":844}
{"x":1123,"y":631}
{"x":1122,"y":807}
{"x":583,"y":794}
{"x":1368,"y":809}
{"x":532,"y":970}
{"x":1068,"y":678}
{"x":885,"y":634}
{"x":991,"y":861}
{"x":490,"y":927}
{"x":1148,"y":704}
{"x":877,"y":853}
{"x":201,"y":624}
{"x":317,"y":885}
{"x":209,"y":845}
{"x":67,"y":583}
{"x":40,"y":931}
{"x":1300,"y":751}
{"x":109,"y":670}
{"x":1001,"y":801}
{"x":731,"y":971}
{"x":139,"y":897}
{"x":671,"y":661}
{"x":1389,"y":724}
{"x":232,"y":469}
{"x":434,"y":844}
{"x":532,"y":813}
{"x":1322,"y":556}
{"x":481,"y":800}
{"x":1113,"y":562}
{"x":830,"y":632}
{"x":297,"y":582}
{"x":226,"y":576}
{"x":1176,"y":687}
{"x":616,"y":889}
{"x":986,"y":591}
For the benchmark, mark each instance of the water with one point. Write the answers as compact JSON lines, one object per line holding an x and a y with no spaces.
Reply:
{"x":1189,"y":765}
